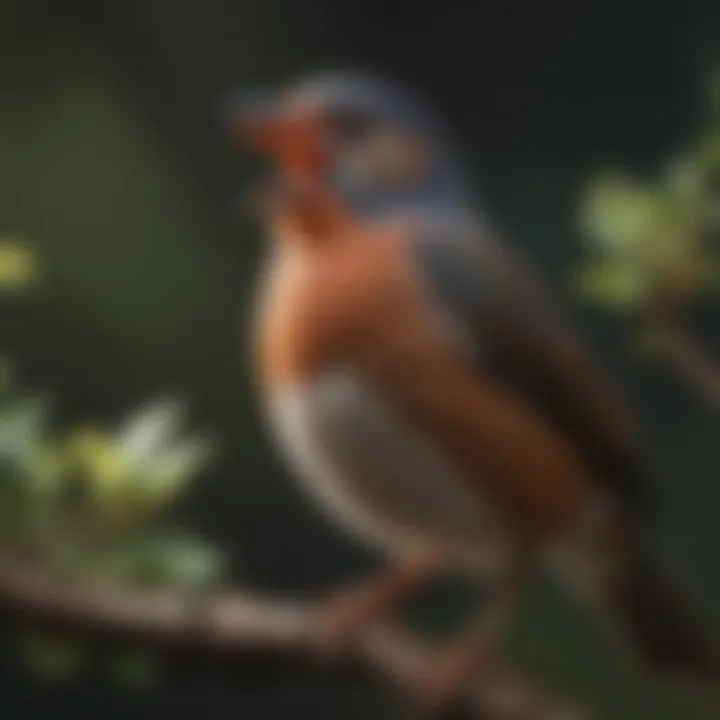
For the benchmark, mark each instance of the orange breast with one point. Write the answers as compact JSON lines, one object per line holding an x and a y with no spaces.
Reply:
{"x":318,"y":305}
{"x":356,"y":305}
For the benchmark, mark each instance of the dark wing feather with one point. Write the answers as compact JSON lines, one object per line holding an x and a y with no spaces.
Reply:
{"x":524,"y":341}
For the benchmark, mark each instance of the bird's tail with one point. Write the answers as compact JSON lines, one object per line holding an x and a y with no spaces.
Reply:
{"x":653,"y":618}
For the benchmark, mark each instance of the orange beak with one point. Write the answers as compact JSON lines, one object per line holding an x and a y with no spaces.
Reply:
{"x":293,"y":140}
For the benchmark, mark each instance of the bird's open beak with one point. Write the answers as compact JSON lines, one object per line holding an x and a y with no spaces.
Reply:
{"x":294,"y":140}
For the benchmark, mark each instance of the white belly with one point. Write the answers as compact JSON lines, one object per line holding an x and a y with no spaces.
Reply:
{"x":384,"y":483}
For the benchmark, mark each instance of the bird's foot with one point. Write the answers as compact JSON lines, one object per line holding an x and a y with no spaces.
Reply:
{"x":342,"y":618}
{"x":448,"y":673}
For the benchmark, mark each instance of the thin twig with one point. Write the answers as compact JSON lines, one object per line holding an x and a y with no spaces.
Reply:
{"x":692,"y":359}
{"x":254,"y":637}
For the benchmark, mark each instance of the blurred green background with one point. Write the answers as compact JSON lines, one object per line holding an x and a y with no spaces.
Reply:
{"x":115,"y":167}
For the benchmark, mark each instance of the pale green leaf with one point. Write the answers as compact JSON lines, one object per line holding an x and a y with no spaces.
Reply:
{"x":168,"y":473}
{"x":104,"y":469}
{"x":18,"y":264}
{"x":620,"y":215}
{"x":616,"y":286}
{"x":707,"y":152}
{"x":50,"y":467}
{"x":172,"y":561}
{"x":22,"y":427}
{"x":686,"y":179}
{"x":192,"y":565}
{"x":146,"y":432}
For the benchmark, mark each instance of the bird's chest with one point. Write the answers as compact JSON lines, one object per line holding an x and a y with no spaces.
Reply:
{"x":340,"y":348}
{"x":319,"y":311}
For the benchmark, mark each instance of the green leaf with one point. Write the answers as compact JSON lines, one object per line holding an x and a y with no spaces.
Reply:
{"x":18,"y":264}
{"x":167,"y":561}
{"x":147,"y":432}
{"x":620,"y":287}
{"x":49,"y":468}
{"x":159,"y":463}
{"x":171,"y":471}
{"x":192,"y":564}
{"x":620,"y":215}
{"x":707,"y":152}
{"x":103,"y":468}
{"x":22,"y":431}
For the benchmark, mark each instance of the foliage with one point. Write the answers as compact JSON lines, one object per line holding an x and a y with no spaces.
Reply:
{"x":18,"y":264}
{"x":90,"y":503}
{"x":649,"y":239}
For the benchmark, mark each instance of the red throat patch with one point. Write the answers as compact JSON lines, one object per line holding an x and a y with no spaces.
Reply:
{"x":295,"y":143}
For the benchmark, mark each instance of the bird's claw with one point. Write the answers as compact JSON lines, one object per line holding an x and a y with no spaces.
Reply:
{"x":448,"y":672}
{"x":341,"y":620}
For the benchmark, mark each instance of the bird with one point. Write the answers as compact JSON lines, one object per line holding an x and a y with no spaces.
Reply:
{"x":430,"y":393}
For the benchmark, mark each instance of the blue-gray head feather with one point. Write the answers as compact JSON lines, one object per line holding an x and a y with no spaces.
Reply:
{"x":382,"y":103}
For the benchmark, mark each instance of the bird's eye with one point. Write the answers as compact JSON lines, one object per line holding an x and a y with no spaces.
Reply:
{"x":349,"y":124}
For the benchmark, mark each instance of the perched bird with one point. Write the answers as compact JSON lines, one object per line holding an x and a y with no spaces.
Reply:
{"x":425,"y":388}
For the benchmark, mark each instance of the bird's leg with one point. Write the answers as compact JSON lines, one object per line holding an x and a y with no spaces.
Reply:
{"x":349,"y":611}
{"x":451,"y":667}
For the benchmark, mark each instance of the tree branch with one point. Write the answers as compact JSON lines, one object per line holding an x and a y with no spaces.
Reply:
{"x":253,"y":636}
{"x":693,"y":361}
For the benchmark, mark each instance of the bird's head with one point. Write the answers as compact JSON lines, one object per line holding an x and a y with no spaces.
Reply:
{"x":366,"y":141}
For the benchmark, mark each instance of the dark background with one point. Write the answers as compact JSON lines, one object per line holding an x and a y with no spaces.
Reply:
{"x":113,"y":162}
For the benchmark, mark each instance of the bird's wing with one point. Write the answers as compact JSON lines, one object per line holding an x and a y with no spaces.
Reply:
{"x":517,"y":335}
